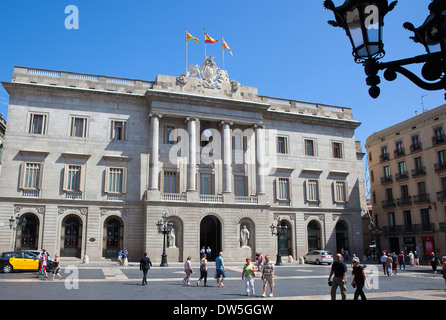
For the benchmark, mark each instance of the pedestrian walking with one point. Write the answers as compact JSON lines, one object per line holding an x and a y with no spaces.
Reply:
{"x":56,"y":268}
{"x":43,"y":261}
{"x":144,"y":266}
{"x":417,"y":258}
{"x":434,"y":262}
{"x":120,"y":258}
{"x":339,"y":270}
{"x":248,"y":274}
{"x":259,"y":261}
{"x":359,"y":280}
{"x":394,"y":263}
{"x":383,"y":260}
{"x":411,"y":258}
{"x":188,"y":270}
{"x":389,"y":262}
{"x":402,"y":260}
{"x":220,"y":273}
{"x":125,"y":254}
{"x":268,"y":276}
{"x":203,"y":270}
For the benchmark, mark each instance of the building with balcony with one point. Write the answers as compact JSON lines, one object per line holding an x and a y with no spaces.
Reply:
{"x":93,"y":162}
{"x":410,"y":209}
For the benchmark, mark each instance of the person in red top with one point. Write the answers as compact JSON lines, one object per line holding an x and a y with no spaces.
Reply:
{"x":43,"y":263}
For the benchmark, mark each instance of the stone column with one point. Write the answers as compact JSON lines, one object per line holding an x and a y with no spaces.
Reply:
{"x":192,"y":163}
{"x":260,"y":158}
{"x":227,"y":156}
{"x":154,"y":152}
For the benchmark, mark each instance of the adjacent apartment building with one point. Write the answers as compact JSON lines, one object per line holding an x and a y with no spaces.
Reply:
{"x":94,"y":162}
{"x":407,"y":164}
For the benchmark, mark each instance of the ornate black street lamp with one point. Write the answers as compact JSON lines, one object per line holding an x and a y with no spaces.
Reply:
{"x":164,"y":228}
{"x":15,"y":226}
{"x":275,"y":231}
{"x":363,"y":21}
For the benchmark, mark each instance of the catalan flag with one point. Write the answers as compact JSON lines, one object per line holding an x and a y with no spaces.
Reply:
{"x":208,"y":39}
{"x":225,"y":46}
{"x":189,"y":37}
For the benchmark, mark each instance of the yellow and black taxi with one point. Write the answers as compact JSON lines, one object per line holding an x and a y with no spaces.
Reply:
{"x":18,"y":260}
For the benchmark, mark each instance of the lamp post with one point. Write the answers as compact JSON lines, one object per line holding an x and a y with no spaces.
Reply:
{"x":275,"y":231}
{"x":363,"y":22}
{"x":164,"y":228}
{"x":14,"y":225}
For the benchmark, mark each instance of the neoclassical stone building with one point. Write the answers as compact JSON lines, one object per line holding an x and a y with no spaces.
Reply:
{"x":94,"y":162}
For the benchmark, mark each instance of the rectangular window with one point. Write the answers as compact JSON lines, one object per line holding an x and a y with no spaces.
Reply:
{"x":422,"y":188}
{"x":78,"y":127}
{"x":337,"y":150}
{"x":310,"y":147}
{"x":340,"y":191}
{"x":312,"y":190}
{"x":386,"y":171}
{"x":206,"y":183}
{"x":240,"y":185}
{"x":282,"y":145}
{"x":402,"y":168}
{"x":38,"y":124}
{"x":389,"y":194}
{"x":170,"y":135}
{"x":116,"y":180}
{"x":283,"y":189}
{"x":442,"y":157}
{"x":407,"y":218}
{"x":73,"y":177}
{"x":391,"y":219}
{"x":404,"y":191}
{"x":117,"y":130}
{"x":170,"y":182}
{"x":425,"y":219}
{"x":31,"y":176}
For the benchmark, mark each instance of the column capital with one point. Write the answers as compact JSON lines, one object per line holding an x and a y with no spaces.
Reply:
{"x":259,"y":125}
{"x":158,"y":115}
{"x":223,"y":122}
{"x":191,"y":119}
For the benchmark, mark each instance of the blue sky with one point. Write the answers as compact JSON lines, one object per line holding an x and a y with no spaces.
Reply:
{"x":285,"y":48}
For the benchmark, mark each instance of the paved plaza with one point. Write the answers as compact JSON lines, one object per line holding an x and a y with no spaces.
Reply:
{"x":293,"y":281}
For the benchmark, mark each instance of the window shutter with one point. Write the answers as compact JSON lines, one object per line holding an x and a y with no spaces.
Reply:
{"x":107,"y":175}
{"x":22,"y":175}
{"x":40,"y":185}
{"x":82,"y":178}
{"x":124,"y":180}
{"x":65,"y":177}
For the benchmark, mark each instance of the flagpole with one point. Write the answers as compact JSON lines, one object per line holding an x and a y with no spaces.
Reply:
{"x":186,"y":52}
{"x":222,"y":42}
{"x":204,"y":43}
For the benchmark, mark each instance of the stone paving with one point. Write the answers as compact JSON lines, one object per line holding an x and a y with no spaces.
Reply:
{"x":105,"y":280}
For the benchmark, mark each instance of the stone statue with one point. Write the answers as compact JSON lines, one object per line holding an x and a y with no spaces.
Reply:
{"x":194,"y":72}
{"x":171,"y":238}
{"x":244,"y":237}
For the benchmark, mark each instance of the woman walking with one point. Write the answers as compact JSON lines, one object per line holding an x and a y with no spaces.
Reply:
{"x":359,"y":279}
{"x":188,"y":269}
{"x":56,"y":268}
{"x":248,"y":275}
{"x":203,"y":270}
{"x":443,"y":267}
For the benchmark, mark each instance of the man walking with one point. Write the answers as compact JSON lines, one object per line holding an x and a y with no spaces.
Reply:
{"x":221,"y":269}
{"x":339,"y":269}
{"x":144,"y":266}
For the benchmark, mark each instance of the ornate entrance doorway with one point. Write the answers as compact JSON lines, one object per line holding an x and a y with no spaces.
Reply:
{"x":71,"y":237}
{"x":210,"y":235}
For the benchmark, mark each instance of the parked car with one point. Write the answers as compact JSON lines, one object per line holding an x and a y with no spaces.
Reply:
{"x":18,"y":260}
{"x":37,"y":253}
{"x":318,"y":257}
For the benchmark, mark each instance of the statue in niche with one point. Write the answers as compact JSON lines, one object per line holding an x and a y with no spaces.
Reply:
{"x":171,"y":238}
{"x":244,"y":237}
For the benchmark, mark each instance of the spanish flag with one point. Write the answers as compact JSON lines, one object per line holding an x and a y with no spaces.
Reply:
{"x":189,"y":36}
{"x":225,"y":46}
{"x":208,"y":39}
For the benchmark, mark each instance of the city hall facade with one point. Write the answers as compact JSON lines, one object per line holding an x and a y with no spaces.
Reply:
{"x":94,"y":162}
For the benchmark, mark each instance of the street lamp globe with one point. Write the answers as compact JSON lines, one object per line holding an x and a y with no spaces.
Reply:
{"x":363,"y":22}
